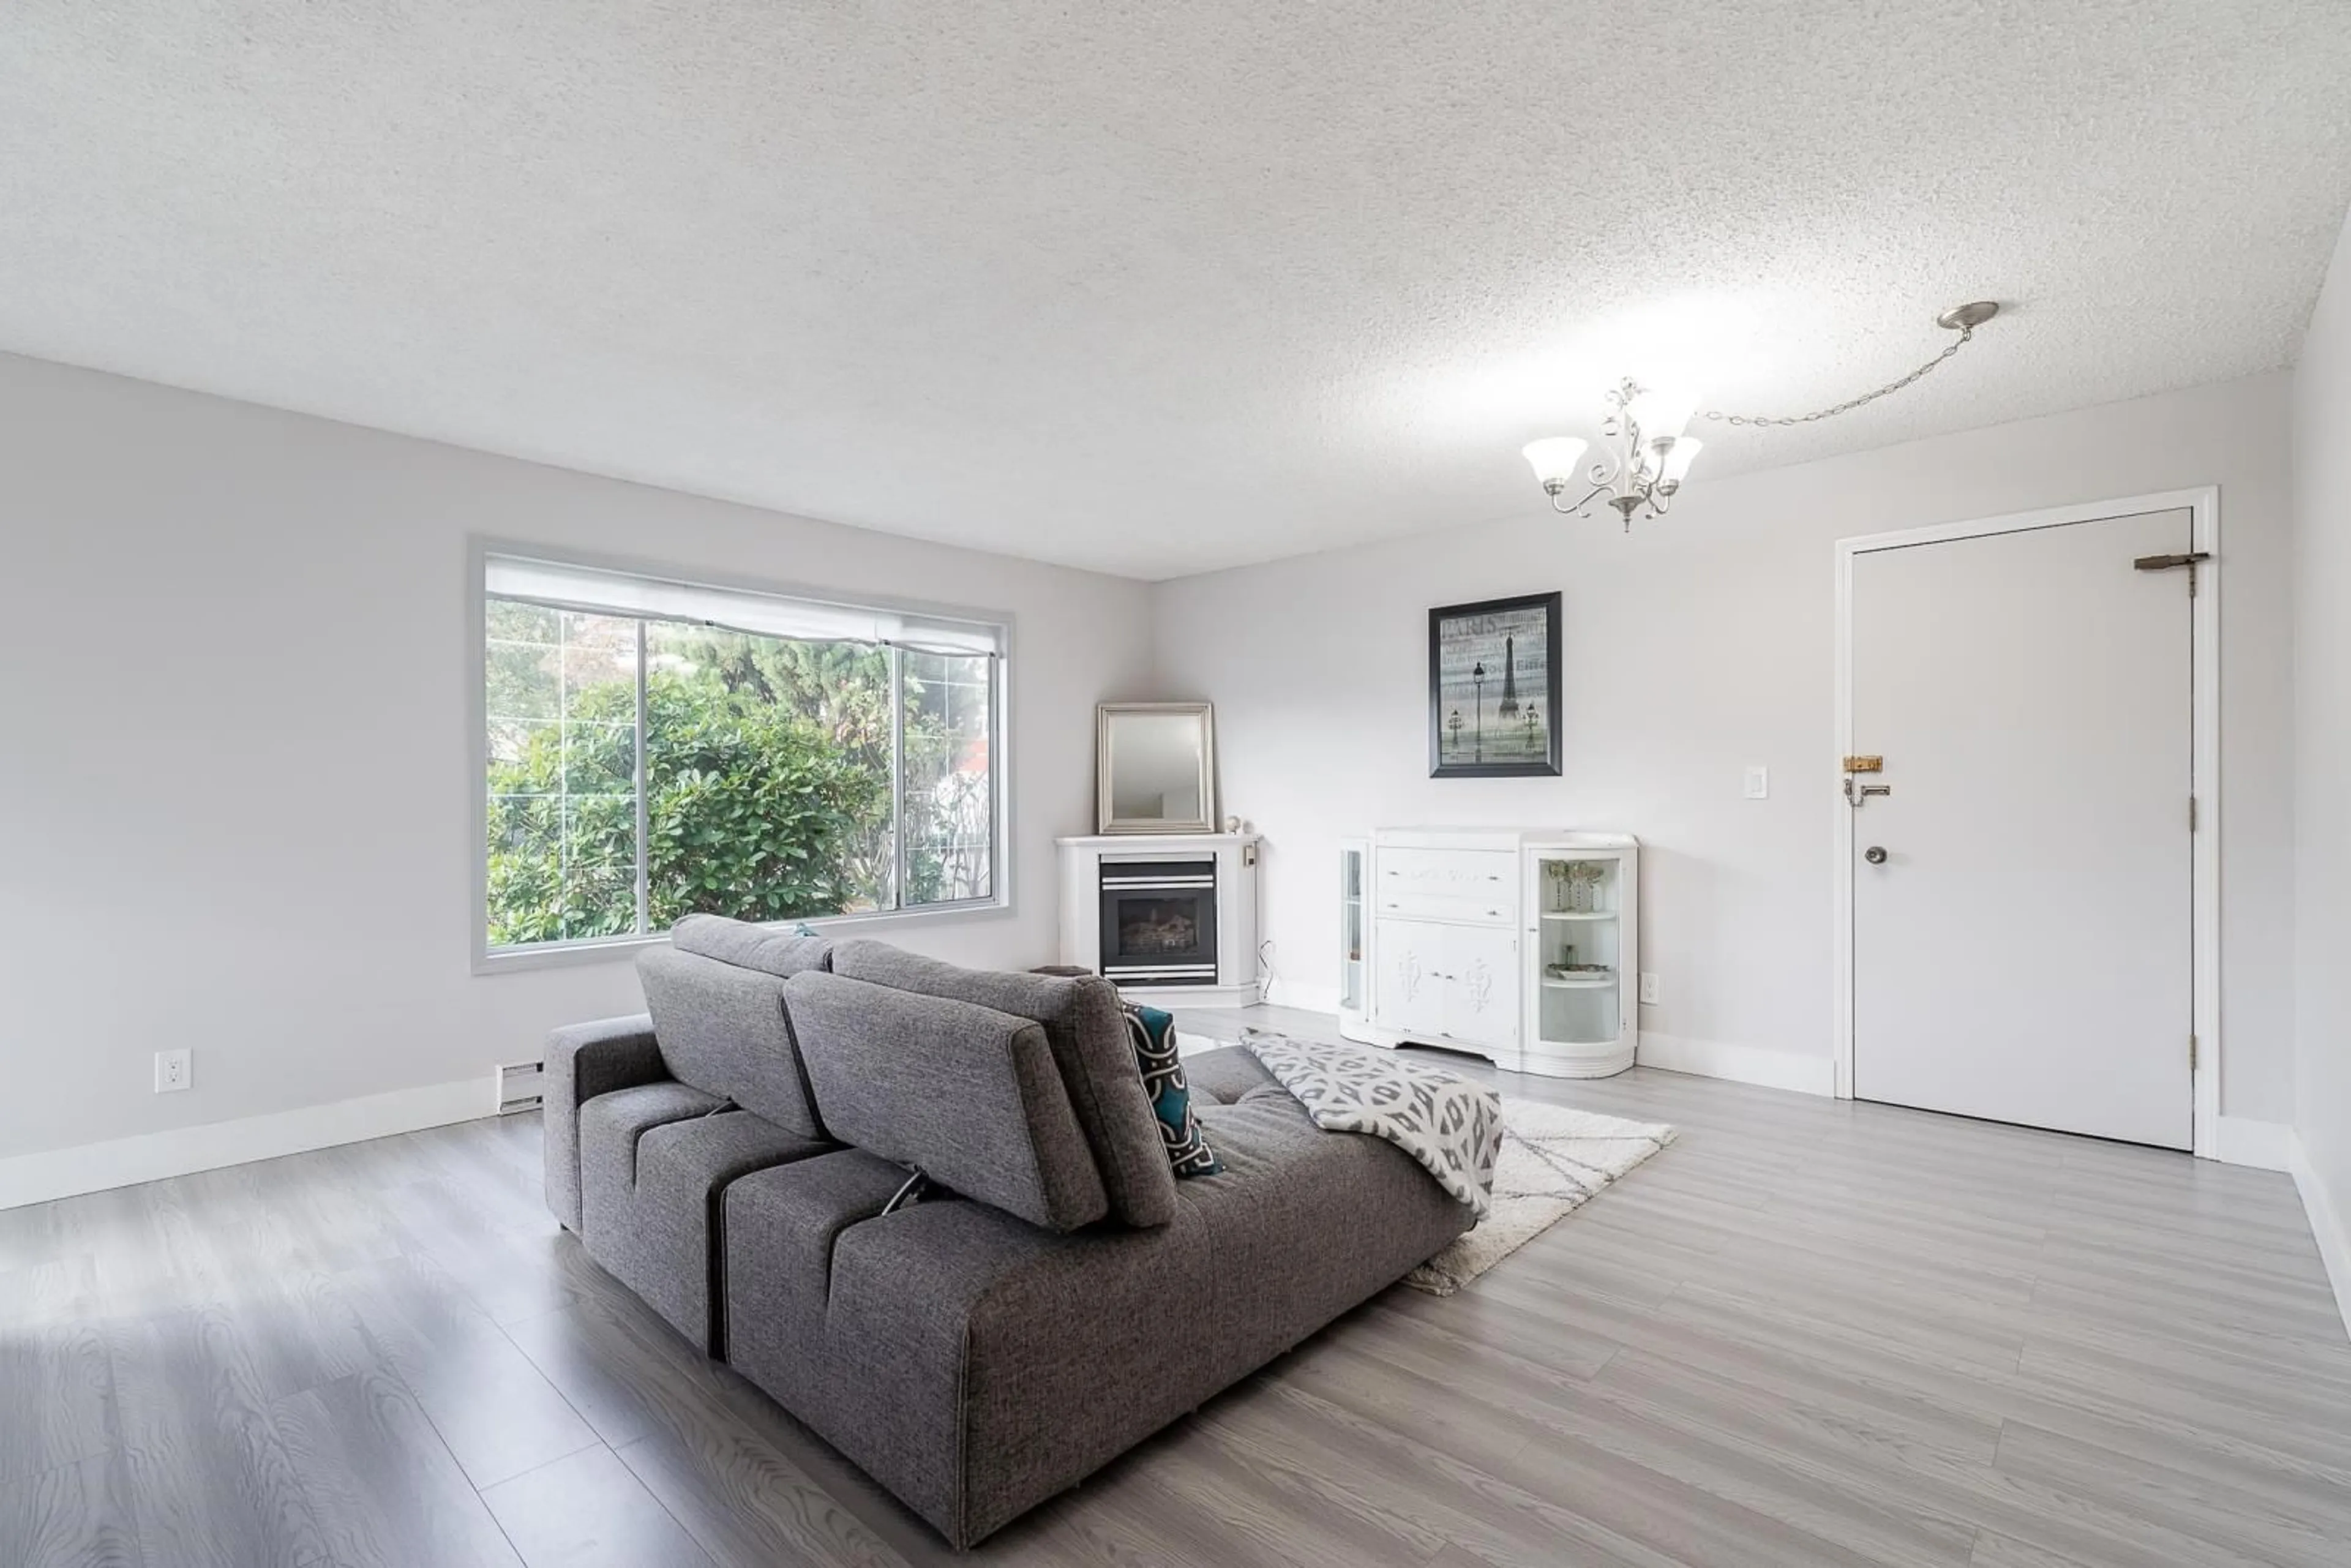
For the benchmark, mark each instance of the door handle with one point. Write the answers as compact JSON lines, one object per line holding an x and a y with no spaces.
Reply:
{"x":1874,"y":854}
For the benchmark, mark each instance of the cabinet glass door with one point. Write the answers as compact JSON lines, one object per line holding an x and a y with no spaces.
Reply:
{"x":1351,"y":927}
{"x":1578,"y":940}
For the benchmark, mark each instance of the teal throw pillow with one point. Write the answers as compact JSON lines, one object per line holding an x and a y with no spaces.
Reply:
{"x":1153,"y":1034}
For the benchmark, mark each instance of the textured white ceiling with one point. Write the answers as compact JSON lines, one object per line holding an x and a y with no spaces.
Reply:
{"x":1157,"y":288}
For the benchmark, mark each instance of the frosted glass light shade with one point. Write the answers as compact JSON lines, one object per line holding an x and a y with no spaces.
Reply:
{"x":1555,"y":459}
{"x":1660,"y":413}
{"x":1679,"y":460}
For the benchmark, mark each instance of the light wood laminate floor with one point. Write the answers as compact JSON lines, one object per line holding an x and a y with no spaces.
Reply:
{"x":1810,"y":1334}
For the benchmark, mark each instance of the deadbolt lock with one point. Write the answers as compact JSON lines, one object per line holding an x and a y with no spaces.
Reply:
{"x":1874,"y":854}
{"x":1865,"y":765}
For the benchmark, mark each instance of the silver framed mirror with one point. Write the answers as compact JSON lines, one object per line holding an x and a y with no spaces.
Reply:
{"x":1154,"y":768}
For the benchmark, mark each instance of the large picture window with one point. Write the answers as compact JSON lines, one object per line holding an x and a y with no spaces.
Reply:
{"x":658,"y":749}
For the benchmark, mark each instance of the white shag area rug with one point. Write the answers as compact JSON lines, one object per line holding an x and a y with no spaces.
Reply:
{"x":1555,"y":1160}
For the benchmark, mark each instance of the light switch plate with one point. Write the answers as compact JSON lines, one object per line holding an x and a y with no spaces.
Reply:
{"x":174,"y":1071}
{"x":1648,"y":989}
{"x":1758,"y":783}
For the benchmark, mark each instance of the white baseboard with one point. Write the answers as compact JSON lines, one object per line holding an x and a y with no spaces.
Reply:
{"x":182,"y":1151}
{"x":2325,"y":1225}
{"x":1740,"y":1063}
{"x":2242,"y":1141}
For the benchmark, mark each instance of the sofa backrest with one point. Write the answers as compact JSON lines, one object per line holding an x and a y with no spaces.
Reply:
{"x":970,"y":1096}
{"x":1087,"y":1032}
{"x":747,"y":947}
{"x":722,"y":1027}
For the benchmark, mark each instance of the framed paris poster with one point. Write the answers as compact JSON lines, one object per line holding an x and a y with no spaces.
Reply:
{"x":1493,"y":689}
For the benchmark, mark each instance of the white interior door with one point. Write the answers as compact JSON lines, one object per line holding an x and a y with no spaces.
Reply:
{"x":2022,"y":950}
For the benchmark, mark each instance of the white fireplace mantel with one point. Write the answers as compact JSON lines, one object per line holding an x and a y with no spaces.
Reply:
{"x":1235,"y":856}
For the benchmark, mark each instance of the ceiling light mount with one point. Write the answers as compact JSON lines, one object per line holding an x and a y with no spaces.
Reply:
{"x":1650,"y":455}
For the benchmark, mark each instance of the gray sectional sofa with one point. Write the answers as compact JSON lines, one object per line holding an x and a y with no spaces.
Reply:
{"x":1050,"y":1294}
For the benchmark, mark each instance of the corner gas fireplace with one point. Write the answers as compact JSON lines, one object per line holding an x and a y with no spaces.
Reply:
{"x":1159,"y":921}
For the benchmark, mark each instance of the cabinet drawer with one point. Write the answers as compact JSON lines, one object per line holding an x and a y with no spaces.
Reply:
{"x":1477,"y":886}
{"x":1472,"y":911}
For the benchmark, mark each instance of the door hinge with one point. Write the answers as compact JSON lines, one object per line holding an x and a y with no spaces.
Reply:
{"x":2192,"y":813}
{"x":2187,"y":558}
{"x":2191,"y":1053}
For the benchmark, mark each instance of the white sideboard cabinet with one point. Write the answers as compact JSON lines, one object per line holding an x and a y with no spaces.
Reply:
{"x":1521,"y":945}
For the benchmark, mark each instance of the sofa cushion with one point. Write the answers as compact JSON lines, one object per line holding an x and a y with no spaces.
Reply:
{"x":653,"y":1203}
{"x":1153,"y":1032}
{"x":782,"y":953}
{"x":611,"y":1125}
{"x":1303,"y":1224}
{"x":974,"y":1365}
{"x":722,"y":1028}
{"x":1088,"y":1035}
{"x":781,"y":1225}
{"x":612,"y":1128}
{"x":1226,"y":1074}
{"x":968,"y":1095}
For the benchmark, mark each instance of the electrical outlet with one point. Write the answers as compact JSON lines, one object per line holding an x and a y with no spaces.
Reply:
{"x":1758,"y":783}
{"x":174,"y":1071}
{"x":1648,"y":989}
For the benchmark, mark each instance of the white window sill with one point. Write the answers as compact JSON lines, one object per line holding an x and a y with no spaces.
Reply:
{"x":609,"y":949}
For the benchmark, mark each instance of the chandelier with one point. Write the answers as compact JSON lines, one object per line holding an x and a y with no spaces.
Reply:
{"x":1648,"y":453}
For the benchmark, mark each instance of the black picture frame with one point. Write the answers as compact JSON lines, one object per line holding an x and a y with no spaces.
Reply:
{"x":1498,"y":741}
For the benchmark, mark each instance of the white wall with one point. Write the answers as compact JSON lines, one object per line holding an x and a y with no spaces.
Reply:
{"x":235,"y":781}
{"x":1704,"y":642}
{"x":206,"y":600}
{"x":2321,"y":668}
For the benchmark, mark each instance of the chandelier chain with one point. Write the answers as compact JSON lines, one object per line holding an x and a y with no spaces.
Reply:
{"x":1850,"y":404}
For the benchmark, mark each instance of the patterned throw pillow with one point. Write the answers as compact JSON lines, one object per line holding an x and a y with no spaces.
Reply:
{"x":1153,"y":1034}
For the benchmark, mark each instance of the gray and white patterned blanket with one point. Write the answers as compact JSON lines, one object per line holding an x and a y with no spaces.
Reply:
{"x":1452,"y":1126}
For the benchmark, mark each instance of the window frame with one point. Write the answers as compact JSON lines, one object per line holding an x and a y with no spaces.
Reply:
{"x":489,"y":959}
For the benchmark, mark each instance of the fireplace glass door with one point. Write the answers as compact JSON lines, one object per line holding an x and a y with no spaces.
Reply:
{"x":1159,"y":921}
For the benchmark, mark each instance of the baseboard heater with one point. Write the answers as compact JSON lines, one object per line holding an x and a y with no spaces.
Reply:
{"x":519,"y":1084}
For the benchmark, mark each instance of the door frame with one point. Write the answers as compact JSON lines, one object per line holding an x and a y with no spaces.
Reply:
{"x":2203,"y":507}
